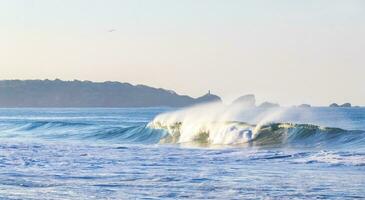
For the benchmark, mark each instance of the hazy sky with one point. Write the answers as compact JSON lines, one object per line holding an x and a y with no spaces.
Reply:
{"x":286,"y":51}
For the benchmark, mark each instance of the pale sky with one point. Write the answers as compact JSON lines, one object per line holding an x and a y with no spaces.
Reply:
{"x":284,"y":51}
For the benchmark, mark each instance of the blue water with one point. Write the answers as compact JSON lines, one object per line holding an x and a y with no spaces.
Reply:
{"x":96,"y":153}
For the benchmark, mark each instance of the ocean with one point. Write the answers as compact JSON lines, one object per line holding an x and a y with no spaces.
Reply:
{"x":169,"y":153}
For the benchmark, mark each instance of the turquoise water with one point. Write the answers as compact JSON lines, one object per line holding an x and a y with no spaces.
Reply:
{"x":95,"y":153}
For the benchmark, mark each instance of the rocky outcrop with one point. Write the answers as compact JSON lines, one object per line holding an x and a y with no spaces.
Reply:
{"x":334,"y":105}
{"x":304,"y":106}
{"x":207,"y":98}
{"x":246,"y":101}
{"x":269,"y":105}
{"x":345,"y":105}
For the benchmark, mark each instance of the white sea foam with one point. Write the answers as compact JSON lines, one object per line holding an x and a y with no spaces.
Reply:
{"x":334,"y":158}
{"x":215,"y":123}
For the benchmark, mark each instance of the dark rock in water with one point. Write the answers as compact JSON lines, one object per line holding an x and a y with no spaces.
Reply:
{"x":122,"y":148}
{"x":57,"y":93}
{"x":269,"y":105}
{"x":245,"y":101}
{"x":335,"y":105}
{"x":346,"y":105}
{"x":304,"y":106}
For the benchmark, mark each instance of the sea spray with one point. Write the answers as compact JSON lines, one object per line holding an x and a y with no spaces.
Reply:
{"x":214,"y":123}
{"x":110,"y":153}
{"x":204,"y":125}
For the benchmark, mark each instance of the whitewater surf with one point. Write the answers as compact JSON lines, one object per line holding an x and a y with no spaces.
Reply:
{"x":204,"y":125}
{"x":202,"y":152}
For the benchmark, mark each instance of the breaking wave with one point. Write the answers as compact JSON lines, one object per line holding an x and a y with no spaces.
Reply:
{"x":211,"y":133}
{"x":272,"y":134}
{"x":210,"y":124}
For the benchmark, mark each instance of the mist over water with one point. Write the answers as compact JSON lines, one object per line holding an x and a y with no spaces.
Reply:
{"x":220,"y":122}
{"x":217,"y":124}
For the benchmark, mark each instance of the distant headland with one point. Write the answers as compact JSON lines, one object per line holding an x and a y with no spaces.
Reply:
{"x":58,"y":93}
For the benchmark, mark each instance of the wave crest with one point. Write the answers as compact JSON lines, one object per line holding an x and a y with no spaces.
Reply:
{"x":240,"y":133}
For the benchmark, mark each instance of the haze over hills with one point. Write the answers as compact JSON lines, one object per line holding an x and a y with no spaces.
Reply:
{"x":58,"y":93}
